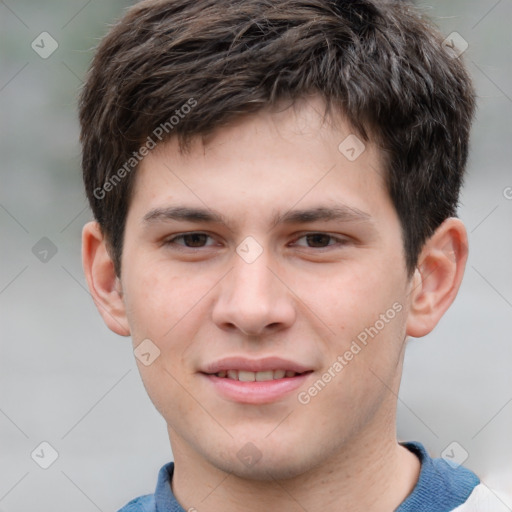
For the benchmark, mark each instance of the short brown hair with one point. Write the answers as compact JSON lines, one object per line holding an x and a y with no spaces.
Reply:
{"x":380,"y":63}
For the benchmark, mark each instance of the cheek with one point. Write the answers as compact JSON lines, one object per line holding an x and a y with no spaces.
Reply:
{"x":158,"y":298}
{"x":364,"y":308}
{"x":169,"y":309}
{"x":162,"y":307}
{"x":354,"y":297}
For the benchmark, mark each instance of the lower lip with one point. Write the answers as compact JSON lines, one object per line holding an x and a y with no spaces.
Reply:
{"x":256,"y":392}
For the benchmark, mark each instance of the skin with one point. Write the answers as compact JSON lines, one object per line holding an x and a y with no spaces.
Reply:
{"x":303,"y":298}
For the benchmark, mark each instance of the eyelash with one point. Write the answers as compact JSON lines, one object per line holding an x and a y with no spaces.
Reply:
{"x":338,"y":241}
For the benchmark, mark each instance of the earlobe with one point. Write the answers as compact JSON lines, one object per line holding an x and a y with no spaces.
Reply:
{"x":438,"y":276}
{"x":104,"y":285}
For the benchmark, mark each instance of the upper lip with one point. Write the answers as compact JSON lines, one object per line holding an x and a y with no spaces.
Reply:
{"x":254,"y":365}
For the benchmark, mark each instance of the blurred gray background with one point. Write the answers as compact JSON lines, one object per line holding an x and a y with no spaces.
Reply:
{"x":66,"y":380}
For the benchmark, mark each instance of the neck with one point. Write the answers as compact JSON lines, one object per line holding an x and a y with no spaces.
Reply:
{"x":374,"y":474}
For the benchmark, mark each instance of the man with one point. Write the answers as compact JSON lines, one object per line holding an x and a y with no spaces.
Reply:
{"x":274,"y":185}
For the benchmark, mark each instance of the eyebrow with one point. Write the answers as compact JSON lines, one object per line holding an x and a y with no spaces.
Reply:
{"x":341,"y":213}
{"x":182,"y":213}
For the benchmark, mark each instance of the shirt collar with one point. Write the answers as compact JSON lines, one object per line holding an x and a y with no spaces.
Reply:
{"x":440,"y":485}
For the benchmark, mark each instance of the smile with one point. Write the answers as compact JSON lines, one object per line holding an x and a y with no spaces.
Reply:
{"x":256,"y":388}
{"x":248,"y":376}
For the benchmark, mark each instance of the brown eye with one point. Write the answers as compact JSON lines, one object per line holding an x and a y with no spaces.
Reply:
{"x":195,"y":239}
{"x":191,"y":240}
{"x":318,"y":240}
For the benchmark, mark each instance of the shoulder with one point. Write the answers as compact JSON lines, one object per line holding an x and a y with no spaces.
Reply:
{"x":441,"y":485}
{"x":483,"y":499}
{"x":141,"y":504}
{"x":162,"y":499}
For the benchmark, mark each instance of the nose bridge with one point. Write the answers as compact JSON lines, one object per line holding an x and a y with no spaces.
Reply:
{"x":255,"y":274}
{"x":251,"y":298}
{"x":251,"y":287}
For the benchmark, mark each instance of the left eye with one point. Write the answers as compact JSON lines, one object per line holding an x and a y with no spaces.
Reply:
{"x":318,"y":240}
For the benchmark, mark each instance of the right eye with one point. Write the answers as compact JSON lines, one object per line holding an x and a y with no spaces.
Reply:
{"x":194,"y":240}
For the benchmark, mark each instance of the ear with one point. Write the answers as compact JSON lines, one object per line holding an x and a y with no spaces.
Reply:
{"x":104,"y":285}
{"x":437,"y":277}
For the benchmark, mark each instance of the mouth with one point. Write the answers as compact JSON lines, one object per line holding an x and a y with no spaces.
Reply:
{"x":255,"y":382}
{"x":262,"y":376}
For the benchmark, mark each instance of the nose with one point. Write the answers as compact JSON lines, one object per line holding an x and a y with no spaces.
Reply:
{"x":253,"y":300}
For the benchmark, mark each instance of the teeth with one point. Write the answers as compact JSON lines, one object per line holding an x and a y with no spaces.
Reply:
{"x":279,"y":374}
{"x":246,"y":376}
{"x":262,"y":376}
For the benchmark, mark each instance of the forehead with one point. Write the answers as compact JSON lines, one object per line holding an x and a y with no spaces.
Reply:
{"x":268,"y":162}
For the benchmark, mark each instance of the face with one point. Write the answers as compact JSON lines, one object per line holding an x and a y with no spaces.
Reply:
{"x":266,"y":269}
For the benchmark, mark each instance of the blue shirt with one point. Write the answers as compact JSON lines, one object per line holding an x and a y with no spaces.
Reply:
{"x":440,"y":488}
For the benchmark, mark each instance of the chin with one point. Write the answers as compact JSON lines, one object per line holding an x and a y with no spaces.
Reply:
{"x":273,"y":466}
